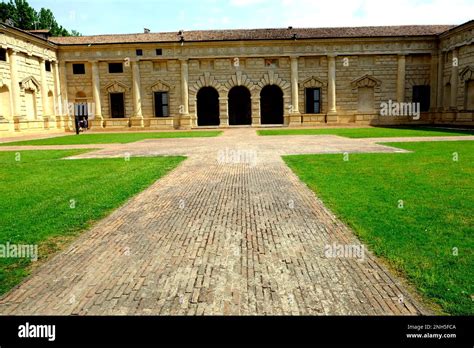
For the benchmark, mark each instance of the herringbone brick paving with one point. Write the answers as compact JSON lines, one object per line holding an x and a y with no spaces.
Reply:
{"x":221,"y":234}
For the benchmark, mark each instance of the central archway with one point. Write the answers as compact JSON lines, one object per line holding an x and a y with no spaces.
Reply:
{"x":240,"y":110}
{"x":271,"y":105}
{"x":208,"y":107}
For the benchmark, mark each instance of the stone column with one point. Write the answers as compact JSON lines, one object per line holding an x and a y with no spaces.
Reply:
{"x":15,"y":85}
{"x":332,"y":111}
{"x":295,"y":116}
{"x":256,"y":120}
{"x":137,"y":95}
{"x":433,"y":82}
{"x":68,"y":110}
{"x":185,"y":119}
{"x":440,"y":97}
{"x":96,"y":94}
{"x":454,"y":80}
{"x":44,"y":88}
{"x":224,"y":111}
{"x":58,"y":107}
{"x":401,"y":78}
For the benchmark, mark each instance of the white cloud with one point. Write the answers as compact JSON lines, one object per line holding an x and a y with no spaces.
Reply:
{"x":241,"y":3}
{"x":317,"y":13}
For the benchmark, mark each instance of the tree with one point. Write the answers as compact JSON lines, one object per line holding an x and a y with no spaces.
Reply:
{"x":25,"y":17}
{"x":46,"y":19}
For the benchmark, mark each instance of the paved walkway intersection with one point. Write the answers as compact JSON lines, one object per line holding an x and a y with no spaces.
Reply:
{"x":230,"y":231}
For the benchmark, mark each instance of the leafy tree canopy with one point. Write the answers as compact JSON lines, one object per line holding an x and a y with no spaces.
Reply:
{"x":20,"y":14}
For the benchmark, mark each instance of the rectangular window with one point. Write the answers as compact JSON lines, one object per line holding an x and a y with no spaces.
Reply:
{"x":159,"y":52}
{"x":313,"y":100}
{"x":161,"y":104}
{"x":78,"y":69}
{"x":115,"y":68}
{"x":47,"y":66}
{"x":139,"y":52}
{"x":3,"y":54}
{"x":117,"y":105}
{"x":421,"y":94}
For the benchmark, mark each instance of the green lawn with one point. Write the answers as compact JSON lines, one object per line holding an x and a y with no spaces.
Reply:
{"x":108,"y":138}
{"x":47,"y":201}
{"x":374,"y":132}
{"x":431,"y":239}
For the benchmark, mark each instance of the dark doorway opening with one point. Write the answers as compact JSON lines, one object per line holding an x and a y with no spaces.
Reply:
{"x":117,"y":105}
{"x":271,"y":105}
{"x":240,"y":110}
{"x":208,"y":107}
{"x":421,"y":94}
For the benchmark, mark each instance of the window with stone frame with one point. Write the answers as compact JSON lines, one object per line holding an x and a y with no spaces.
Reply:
{"x":469,"y":95}
{"x":161,"y":104}
{"x":365,"y":99}
{"x":117,"y":105}
{"x":78,"y":69}
{"x":115,"y":68}
{"x":421,"y":94}
{"x":313,"y":100}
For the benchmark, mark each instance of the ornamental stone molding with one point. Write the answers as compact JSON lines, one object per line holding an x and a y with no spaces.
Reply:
{"x":160,"y":86}
{"x":117,"y":87}
{"x":206,"y":80}
{"x":467,"y":73}
{"x":418,"y":82}
{"x":366,"y":81}
{"x":271,"y":78}
{"x":313,"y":81}
{"x":30,"y":83}
{"x":239,"y":79}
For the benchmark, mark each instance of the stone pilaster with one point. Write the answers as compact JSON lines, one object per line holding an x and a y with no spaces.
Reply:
{"x":332,"y":110}
{"x":401,"y":72}
{"x":439,"y":99}
{"x":454,"y":81}
{"x":256,"y":120}
{"x":58,"y":108}
{"x":433,"y":82}
{"x":224,"y":111}
{"x":185,"y":119}
{"x":68,"y":112}
{"x":295,"y":116}
{"x":44,"y":88}
{"x":137,"y":95}
{"x":96,"y":94}
{"x":15,"y":85}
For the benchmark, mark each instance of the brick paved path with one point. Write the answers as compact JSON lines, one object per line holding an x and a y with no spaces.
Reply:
{"x":217,"y":237}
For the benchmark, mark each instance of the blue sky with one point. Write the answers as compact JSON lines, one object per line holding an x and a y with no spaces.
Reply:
{"x":130,"y":16}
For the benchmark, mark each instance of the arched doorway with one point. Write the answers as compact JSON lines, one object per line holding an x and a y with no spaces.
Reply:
{"x":240,"y":110}
{"x":208,"y":107}
{"x":271,"y":105}
{"x":5,"y":111}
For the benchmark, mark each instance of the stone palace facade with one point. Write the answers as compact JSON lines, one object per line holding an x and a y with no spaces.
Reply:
{"x":223,"y":78}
